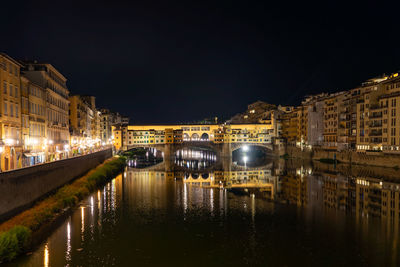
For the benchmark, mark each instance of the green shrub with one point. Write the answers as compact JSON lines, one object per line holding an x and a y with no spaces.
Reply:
{"x":14,"y":242}
{"x":8,"y":246}
{"x":23,"y":235}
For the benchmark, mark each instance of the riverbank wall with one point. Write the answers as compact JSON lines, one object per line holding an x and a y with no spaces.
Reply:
{"x":370,"y":158}
{"x":20,"y":188}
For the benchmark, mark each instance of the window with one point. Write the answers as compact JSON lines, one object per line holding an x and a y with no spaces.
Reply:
{"x":5,"y":108}
{"x":11,"y":110}
{"x":5,"y":87}
{"x":11,"y":90}
{"x":16,"y":111}
{"x":16,"y":91}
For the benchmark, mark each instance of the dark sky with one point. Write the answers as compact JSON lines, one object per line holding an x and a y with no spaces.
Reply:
{"x":173,"y":62}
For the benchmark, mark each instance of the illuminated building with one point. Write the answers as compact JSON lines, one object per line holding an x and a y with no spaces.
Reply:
{"x":84,"y":123}
{"x":33,"y":108}
{"x":331,"y":119}
{"x":47,"y":77}
{"x":10,"y":122}
{"x":107,"y":120}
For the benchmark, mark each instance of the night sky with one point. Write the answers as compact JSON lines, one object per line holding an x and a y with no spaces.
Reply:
{"x":174,"y":62}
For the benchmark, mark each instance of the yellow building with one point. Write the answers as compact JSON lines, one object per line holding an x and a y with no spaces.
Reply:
{"x":10,"y":122}
{"x":57,"y":106}
{"x":331,"y":119}
{"x":36,"y":144}
{"x":25,"y":118}
{"x":84,"y":121}
{"x":290,"y":123}
{"x":377,"y":114}
{"x":302,"y":125}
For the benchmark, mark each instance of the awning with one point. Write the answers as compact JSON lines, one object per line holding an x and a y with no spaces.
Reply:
{"x":33,"y":154}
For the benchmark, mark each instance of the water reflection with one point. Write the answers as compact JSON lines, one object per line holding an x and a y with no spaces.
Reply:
{"x":195,"y":159}
{"x":46,"y":255}
{"x":322,"y":215}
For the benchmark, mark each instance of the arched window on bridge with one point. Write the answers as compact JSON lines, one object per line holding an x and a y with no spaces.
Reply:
{"x":195,"y":137}
{"x":186,"y":137}
{"x":204,"y":137}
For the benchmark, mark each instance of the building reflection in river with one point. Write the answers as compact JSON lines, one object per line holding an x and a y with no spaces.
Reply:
{"x":356,"y":195}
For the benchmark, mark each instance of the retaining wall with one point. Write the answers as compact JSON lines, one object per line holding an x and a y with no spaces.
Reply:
{"x":20,"y":188}
{"x":383,"y":159}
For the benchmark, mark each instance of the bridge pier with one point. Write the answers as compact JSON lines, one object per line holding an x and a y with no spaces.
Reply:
{"x":169,"y":152}
{"x":226,"y":156}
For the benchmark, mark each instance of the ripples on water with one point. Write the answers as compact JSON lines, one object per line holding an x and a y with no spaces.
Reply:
{"x":279,"y":214}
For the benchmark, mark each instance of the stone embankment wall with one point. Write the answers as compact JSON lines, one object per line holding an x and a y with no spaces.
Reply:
{"x":354,"y":157}
{"x":20,"y":188}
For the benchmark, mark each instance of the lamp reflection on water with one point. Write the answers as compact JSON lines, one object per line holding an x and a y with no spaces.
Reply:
{"x":68,"y":251}
{"x":46,"y":255}
{"x":82,"y":223}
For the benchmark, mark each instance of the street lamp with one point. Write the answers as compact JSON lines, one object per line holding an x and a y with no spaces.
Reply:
{"x":245,"y":161}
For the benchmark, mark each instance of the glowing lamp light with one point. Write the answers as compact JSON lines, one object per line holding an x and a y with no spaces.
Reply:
{"x":9,"y":141}
{"x":51,"y":142}
{"x":245,"y":148}
{"x":245,"y":158}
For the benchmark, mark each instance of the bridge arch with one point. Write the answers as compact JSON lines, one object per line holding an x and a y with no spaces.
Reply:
{"x":186,"y":137}
{"x":242,"y":145}
{"x":204,"y":137}
{"x":195,"y":137}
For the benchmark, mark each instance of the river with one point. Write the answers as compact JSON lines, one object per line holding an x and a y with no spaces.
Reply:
{"x":204,"y":213}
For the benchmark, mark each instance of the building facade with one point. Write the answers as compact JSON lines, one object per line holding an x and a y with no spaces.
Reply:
{"x":57,"y":106}
{"x":10,"y":123}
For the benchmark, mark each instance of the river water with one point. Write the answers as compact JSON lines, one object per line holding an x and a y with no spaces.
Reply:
{"x":205,"y":213}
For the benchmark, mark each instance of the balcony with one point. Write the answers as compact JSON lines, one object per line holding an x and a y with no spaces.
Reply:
{"x":375,"y":133}
{"x":375,"y":125}
{"x":376,"y":140}
{"x":376,"y":115}
{"x":375,"y":107}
